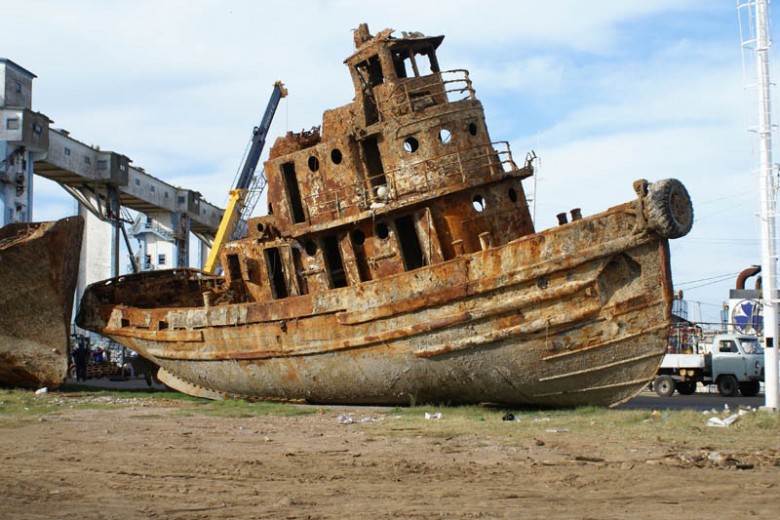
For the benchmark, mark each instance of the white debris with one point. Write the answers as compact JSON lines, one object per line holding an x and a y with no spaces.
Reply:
{"x":43,"y":390}
{"x":717,"y":422}
{"x":344,"y":419}
{"x":716,"y":457}
{"x":436,"y":415}
{"x":557,"y":430}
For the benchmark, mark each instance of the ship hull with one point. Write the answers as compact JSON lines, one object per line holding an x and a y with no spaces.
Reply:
{"x":576,"y":315}
{"x":38,"y":271}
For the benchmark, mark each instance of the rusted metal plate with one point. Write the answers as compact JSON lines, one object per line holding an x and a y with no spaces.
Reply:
{"x":39,"y":265}
{"x":399,"y":263}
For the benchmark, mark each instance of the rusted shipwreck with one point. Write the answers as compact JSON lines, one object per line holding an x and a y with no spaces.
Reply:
{"x":399,"y":263}
{"x":39,"y":264}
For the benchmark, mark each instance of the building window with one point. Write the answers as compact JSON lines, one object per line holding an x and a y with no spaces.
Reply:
{"x":161,"y":259}
{"x":12,"y":123}
{"x":18,"y":87}
{"x":138,"y":182}
{"x":67,"y":151}
{"x":151,"y":188}
{"x":102,"y":164}
{"x":87,"y":160}
{"x":180,"y":199}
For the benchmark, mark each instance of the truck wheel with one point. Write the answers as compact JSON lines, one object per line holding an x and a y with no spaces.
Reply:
{"x":750,"y":388}
{"x":669,"y":208}
{"x":663,"y":386}
{"x":728,"y":386}
{"x":686,"y":387}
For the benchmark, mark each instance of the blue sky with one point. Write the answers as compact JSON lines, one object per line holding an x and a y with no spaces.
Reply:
{"x":606,"y":92}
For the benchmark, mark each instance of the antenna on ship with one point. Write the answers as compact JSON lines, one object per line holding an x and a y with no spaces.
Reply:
{"x":755,"y":45}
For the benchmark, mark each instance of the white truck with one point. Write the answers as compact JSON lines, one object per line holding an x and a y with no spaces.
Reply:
{"x":733,"y":362}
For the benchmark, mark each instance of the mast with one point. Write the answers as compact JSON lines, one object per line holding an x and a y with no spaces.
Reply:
{"x":760,"y":46}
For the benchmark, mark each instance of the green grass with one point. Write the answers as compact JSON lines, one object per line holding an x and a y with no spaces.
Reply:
{"x":592,"y":423}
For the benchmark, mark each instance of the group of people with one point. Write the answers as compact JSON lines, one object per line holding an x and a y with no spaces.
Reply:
{"x":82,"y":354}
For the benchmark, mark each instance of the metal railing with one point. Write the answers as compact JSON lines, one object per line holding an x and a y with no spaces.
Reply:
{"x":419,"y":177}
{"x":417,"y":93}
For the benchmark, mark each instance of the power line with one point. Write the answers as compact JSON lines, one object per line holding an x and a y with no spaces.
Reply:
{"x":719,"y":277}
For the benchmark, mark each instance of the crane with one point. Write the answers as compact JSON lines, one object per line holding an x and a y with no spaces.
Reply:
{"x":245,"y":181}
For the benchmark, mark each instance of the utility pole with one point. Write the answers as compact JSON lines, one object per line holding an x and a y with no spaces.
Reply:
{"x":760,"y":45}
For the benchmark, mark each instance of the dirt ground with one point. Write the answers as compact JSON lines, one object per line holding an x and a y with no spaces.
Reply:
{"x":163,"y":459}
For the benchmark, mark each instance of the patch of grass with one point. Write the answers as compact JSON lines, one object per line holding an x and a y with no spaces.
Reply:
{"x":592,"y":424}
{"x":24,"y":402}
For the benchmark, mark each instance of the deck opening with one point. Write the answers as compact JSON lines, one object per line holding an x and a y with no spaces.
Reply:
{"x":402,"y":61}
{"x":358,"y":246}
{"x":409,"y":242}
{"x":370,"y":75}
{"x":303,"y":286}
{"x":376,"y":172}
{"x":162,"y":325}
{"x":333,"y":263}
{"x":293,"y":193}
{"x":234,"y":267}
{"x":124,"y":322}
{"x":273,"y":262}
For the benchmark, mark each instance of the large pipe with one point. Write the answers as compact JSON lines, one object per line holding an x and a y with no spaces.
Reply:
{"x":745,"y":274}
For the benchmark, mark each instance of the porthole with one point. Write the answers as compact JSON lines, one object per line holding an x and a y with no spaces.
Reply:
{"x":311,"y":247}
{"x":473,"y":128}
{"x":270,"y":208}
{"x":411,"y":145}
{"x":335,"y":156}
{"x":260,"y":228}
{"x":479,"y":203}
{"x":512,"y":195}
{"x":358,"y":237}
{"x":445,"y":136}
{"x":382,"y":231}
{"x":314,"y":163}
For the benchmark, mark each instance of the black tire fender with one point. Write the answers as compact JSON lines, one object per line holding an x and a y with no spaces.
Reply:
{"x":669,"y":208}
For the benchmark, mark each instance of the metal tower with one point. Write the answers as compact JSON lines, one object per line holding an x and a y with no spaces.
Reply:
{"x":754,"y":32}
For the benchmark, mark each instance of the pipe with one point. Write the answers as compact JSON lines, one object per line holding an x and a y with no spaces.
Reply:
{"x":745,"y":274}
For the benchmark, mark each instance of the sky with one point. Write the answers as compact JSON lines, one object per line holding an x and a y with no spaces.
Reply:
{"x":605,"y":92}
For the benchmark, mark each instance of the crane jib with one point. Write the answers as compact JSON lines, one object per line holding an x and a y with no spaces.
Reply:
{"x":258,"y":139}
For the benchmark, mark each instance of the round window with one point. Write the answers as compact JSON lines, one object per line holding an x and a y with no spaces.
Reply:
{"x":335,"y":156}
{"x":382,"y":231}
{"x":314,"y":163}
{"x":445,"y":136}
{"x":479,"y":203}
{"x":411,"y":145}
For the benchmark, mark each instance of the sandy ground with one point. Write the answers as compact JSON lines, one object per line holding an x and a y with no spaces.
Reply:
{"x":161,"y":459}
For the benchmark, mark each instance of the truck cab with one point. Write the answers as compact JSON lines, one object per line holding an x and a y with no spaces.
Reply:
{"x":733,"y":362}
{"x":739,"y":356}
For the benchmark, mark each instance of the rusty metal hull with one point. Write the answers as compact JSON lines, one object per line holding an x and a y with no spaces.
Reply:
{"x":576,"y":315}
{"x":38,"y":270}
{"x":399,"y":263}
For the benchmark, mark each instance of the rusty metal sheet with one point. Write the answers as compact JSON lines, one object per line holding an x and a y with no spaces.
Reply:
{"x":39,"y":265}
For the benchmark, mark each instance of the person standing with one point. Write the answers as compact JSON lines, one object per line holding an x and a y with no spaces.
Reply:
{"x":81,"y":358}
